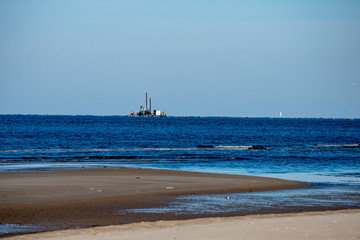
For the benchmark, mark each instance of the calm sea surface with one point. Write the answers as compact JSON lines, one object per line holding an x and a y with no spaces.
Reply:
{"x":322,"y":152}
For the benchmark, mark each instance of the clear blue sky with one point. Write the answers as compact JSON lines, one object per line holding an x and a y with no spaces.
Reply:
{"x":198,"y":57}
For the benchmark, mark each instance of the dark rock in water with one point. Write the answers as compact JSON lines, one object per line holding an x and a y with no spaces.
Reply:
{"x":205,"y":146}
{"x":257,"y":147}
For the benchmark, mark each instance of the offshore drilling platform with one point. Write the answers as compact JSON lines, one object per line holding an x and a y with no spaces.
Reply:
{"x":145,"y":112}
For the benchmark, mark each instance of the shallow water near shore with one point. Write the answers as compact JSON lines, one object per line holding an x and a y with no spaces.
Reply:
{"x":20,"y":228}
{"x":321,"y":197}
{"x":322,"y":152}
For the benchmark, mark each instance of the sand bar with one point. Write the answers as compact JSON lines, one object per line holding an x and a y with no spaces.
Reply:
{"x":92,"y":197}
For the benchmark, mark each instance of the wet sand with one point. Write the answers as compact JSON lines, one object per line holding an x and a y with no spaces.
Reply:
{"x":93,"y":197}
{"x":328,"y":225}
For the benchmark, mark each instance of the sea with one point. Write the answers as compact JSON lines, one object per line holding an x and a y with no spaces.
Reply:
{"x":324,"y":153}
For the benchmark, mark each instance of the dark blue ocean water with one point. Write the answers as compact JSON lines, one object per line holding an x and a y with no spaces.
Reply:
{"x":322,"y":152}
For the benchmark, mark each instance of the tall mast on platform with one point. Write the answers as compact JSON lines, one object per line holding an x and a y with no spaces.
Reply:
{"x":146,"y":102}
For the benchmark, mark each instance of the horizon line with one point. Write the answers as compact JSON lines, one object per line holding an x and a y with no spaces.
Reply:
{"x":180,"y":116}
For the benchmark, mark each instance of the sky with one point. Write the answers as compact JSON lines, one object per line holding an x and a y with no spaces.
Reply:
{"x":194,"y":58}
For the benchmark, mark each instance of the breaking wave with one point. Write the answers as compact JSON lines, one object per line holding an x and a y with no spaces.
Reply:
{"x":231,"y":147}
{"x":94,"y":150}
{"x":161,"y":149}
{"x":355,"y":145}
{"x":199,"y":147}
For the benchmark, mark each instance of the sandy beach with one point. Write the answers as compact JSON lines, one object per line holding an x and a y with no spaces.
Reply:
{"x":340,"y":225}
{"x":92,"y":197}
